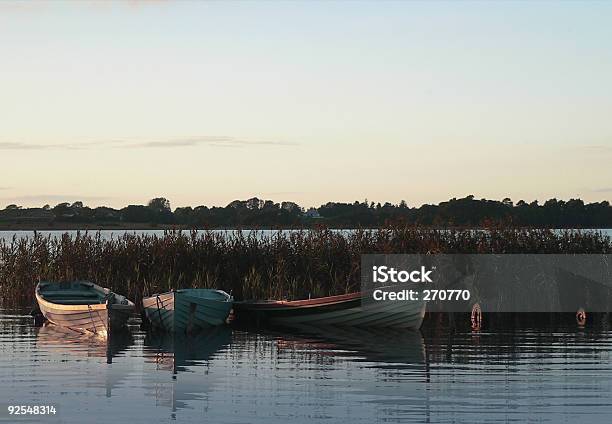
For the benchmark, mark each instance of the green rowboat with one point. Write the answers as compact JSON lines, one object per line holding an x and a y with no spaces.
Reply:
{"x":187,"y":310}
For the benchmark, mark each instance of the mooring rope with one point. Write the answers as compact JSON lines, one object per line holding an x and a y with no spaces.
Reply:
{"x":158,"y":300}
{"x":100,"y":318}
{"x":92,"y":319}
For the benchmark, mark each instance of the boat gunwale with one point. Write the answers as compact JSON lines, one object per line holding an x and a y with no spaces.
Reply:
{"x":304,"y":303}
{"x":227,"y":298}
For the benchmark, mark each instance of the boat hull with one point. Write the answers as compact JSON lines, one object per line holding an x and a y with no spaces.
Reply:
{"x":182,"y":311}
{"x":93,"y":318}
{"x":95,"y":321}
{"x":345,"y":310}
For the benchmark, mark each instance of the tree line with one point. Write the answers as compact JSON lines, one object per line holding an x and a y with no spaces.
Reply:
{"x":258,"y":213}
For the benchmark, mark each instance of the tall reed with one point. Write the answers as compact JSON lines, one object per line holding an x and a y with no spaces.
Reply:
{"x":251,"y":265}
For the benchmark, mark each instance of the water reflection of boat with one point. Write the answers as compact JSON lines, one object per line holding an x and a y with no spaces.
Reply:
{"x":374,"y":362}
{"x":65,"y":340}
{"x":182,"y":364}
{"x":391,"y":346}
{"x":53,"y":341}
{"x":180,"y":349}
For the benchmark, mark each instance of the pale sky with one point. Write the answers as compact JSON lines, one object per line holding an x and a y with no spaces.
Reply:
{"x":204,"y":103}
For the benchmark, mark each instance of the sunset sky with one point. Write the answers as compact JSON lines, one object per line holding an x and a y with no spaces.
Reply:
{"x":204,"y":103}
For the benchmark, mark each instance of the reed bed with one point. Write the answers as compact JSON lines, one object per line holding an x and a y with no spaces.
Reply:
{"x":251,"y":265}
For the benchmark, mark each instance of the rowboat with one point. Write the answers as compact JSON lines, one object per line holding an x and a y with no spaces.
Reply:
{"x":188,"y":310}
{"x":351,"y":309}
{"x":83,"y":306}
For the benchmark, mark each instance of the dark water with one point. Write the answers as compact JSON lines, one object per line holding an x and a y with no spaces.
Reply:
{"x":552,"y":375}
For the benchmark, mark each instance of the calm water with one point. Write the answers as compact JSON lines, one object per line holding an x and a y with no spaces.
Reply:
{"x":230,"y":376}
{"x":108,"y":234}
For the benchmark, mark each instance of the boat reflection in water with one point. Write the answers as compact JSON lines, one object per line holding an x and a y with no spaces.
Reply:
{"x":64,"y":340}
{"x":181,"y":364}
{"x":197,"y":372}
{"x":391,"y":346}
{"x":373,"y":370}
{"x":63,"y":344}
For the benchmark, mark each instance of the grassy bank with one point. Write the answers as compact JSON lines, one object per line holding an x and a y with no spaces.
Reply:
{"x":251,"y":265}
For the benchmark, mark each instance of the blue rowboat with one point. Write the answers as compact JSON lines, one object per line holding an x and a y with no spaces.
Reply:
{"x":83,"y":306}
{"x":188,"y":310}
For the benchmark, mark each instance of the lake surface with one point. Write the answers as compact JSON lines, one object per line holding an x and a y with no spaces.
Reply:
{"x":549,"y":375}
{"x":108,"y":234}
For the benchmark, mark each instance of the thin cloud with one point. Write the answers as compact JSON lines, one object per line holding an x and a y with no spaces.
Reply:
{"x":598,"y":147}
{"x":212,"y":141}
{"x":33,"y":146}
{"x":55,"y":198}
{"x":603,"y":190}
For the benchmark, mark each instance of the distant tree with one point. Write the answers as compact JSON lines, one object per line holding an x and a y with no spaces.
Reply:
{"x":159,"y":204}
{"x":103,"y":213}
{"x":236,"y":204}
{"x":184,"y":215}
{"x":62,"y":209}
{"x":137,"y":213}
{"x":63,"y":212}
{"x":254,"y":203}
{"x":290,"y":206}
{"x":270,"y":205}
{"x":258,"y":213}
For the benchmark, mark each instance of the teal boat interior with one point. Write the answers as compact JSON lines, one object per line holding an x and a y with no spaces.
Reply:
{"x":72,"y":293}
{"x":210,"y":294}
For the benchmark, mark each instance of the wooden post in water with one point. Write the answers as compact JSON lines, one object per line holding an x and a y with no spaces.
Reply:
{"x":109,"y":353}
